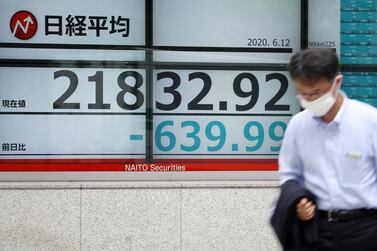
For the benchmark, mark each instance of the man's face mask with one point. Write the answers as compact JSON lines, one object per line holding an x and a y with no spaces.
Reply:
{"x":320,"y":106}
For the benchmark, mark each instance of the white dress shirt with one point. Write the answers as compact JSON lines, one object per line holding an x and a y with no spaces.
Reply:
{"x":336,"y":161}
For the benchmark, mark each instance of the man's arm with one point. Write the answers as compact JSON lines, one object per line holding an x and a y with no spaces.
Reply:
{"x":374,"y":144}
{"x":290,"y":166}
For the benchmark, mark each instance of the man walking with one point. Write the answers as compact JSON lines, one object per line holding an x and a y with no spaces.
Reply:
{"x":330,"y":149}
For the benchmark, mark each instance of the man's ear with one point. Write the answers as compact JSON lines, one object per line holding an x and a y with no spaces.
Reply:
{"x":339,"y":80}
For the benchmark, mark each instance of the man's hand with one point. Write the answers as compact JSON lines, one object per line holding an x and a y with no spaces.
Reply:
{"x":305,"y":209}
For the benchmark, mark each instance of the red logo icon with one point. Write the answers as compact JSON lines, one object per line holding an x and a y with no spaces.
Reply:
{"x":23,"y":25}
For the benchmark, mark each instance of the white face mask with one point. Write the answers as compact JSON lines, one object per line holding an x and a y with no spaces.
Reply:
{"x":320,"y":106}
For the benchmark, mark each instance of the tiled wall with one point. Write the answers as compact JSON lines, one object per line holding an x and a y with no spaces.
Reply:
{"x":137,"y":216}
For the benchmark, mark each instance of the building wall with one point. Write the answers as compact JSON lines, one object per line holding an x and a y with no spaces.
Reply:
{"x":215,"y":215}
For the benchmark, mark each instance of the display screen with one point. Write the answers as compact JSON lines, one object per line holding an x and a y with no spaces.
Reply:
{"x":358,"y":32}
{"x":72,"y":112}
{"x":353,"y":34}
{"x":259,"y":31}
{"x":221,"y":113}
{"x":324,"y":24}
{"x":84,"y":30}
{"x":146,"y":85}
{"x":361,"y":86}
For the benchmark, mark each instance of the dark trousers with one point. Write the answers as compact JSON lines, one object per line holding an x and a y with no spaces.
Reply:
{"x":353,"y":235}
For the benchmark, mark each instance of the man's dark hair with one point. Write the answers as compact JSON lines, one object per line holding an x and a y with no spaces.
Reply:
{"x":314,"y":64}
